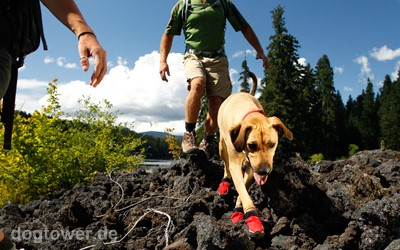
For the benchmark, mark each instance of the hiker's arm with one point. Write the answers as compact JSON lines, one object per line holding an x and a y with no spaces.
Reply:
{"x":252,"y":38}
{"x":69,"y":14}
{"x":165,"y":48}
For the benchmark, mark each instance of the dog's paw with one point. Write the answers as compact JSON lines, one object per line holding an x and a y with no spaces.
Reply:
{"x":254,"y":225}
{"x":237,"y":215}
{"x":223,"y":187}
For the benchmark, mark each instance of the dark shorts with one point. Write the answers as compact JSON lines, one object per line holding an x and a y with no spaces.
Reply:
{"x":5,"y":57}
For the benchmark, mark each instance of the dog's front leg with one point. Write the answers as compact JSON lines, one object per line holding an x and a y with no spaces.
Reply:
{"x":248,"y":179}
{"x":252,"y":219}
{"x":235,"y":169}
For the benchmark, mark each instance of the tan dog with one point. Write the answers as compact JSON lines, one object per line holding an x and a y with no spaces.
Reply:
{"x":247,"y":138}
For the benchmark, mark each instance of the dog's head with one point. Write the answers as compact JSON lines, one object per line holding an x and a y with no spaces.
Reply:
{"x":258,"y":138}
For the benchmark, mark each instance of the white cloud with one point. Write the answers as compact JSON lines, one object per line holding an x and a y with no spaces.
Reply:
{"x":348,"y":89}
{"x":302,"y":61}
{"x":395,"y":73}
{"x":239,"y":54}
{"x":48,"y":60}
{"x":138,"y":93}
{"x":60,"y":61}
{"x":338,"y":70}
{"x":366,"y":71}
{"x":70,"y":65}
{"x":122,"y":61}
{"x":28,"y":94}
{"x":384,"y":53}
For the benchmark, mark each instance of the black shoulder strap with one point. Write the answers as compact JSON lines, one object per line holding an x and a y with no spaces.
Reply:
{"x":186,"y":5}
{"x":7,"y":112}
{"x":185,"y":10}
{"x":223,"y":5}
{"x":40,"y":23}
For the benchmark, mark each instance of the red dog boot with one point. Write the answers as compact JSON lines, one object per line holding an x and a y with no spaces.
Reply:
{"x":237,"y":215}
{"x":224,"y":186}
{"x":254,"y":224}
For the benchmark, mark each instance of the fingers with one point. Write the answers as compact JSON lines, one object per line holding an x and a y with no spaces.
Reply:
{"x":164,"y":75}
{"x":88,"y":46}
{"x":265,"y":60}
{"x":164,"y":71}
{"x":100,"y":67}
{"x":84,"y":63}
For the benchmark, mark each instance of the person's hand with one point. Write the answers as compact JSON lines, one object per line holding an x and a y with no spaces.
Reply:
{"x":88,"y":46}
{"x":264,"y":59}
{"x":164,"y":71}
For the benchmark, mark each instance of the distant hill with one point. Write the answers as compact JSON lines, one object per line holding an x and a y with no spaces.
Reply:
{"x":158,"y":134}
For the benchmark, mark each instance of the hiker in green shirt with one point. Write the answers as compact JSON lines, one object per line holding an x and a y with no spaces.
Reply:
{"x":205,"y":63}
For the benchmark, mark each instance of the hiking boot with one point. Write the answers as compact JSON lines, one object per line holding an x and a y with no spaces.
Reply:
{"x":189,"y":143}
{"x":206,"y":147}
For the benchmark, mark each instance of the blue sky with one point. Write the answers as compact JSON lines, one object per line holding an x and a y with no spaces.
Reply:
{"x":360,"y":38}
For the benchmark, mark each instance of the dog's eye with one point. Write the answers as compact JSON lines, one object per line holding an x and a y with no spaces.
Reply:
{"x":252,"y":146}
{"x":271,"y":144}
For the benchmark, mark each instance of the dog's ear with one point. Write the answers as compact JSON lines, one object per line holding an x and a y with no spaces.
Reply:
{"x":239,"y":135}
{"x":278,"y":125}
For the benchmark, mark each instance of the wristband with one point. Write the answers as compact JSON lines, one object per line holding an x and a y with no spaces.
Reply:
{"x":86,"y":33}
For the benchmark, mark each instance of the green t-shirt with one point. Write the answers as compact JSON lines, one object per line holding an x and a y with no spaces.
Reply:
{"x":205,"y":24}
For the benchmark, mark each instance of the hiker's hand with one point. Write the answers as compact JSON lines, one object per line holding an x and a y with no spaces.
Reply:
{"x":88,"y":46}
{"x":164,"y":71}
{"x":264,"y":58}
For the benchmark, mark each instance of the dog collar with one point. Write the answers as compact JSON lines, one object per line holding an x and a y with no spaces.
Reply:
{"x":253,"y":111}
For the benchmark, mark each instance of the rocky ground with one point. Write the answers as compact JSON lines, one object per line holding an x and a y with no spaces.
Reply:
{"x":346,"y":204}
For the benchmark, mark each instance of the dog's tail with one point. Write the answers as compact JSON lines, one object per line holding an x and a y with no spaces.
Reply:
{"x":254,"y":85}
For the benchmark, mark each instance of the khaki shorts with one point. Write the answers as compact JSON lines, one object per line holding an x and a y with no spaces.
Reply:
{"x":215,"y":71}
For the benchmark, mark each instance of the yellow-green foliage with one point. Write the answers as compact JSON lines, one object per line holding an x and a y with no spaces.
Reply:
{"x":51,"y":151}
{"x":173,"y":147}
{"x":353,"y":148}
{"x":316,"y":158}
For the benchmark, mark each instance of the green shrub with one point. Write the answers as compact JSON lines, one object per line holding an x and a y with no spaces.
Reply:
{"x":50,"y":153}
{"x":353,"y":148}
{"x":316,"y":158}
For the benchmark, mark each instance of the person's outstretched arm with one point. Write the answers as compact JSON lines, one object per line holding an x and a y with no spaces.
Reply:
{"x":252,"y":38}
{"x":69,"y":14}
{"x":165,"y":48}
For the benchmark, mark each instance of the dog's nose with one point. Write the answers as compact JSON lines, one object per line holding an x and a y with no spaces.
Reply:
{"x":264,"y":171}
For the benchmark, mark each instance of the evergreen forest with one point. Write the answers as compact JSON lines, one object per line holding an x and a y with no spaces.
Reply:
{"x":306,"y":100}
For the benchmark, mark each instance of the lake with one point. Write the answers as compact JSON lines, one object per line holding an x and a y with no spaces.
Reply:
{"x":148,"y":164}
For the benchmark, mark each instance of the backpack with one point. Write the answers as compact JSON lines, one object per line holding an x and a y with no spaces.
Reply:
{"x":25,"y":19}
{"x":187,"y":4}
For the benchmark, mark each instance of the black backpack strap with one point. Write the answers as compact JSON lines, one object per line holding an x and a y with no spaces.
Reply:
{"x":223,"y":5}
{"x":185,"y":11}
{"x":40,"y":23}
{"x":7,"y":115}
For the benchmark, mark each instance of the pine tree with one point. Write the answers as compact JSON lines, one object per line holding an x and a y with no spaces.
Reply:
{"x":389,"y":112}
{"x":369,"y":122}
{"x":352,"y":112}
{"x":329,"y":104}
{"x":244,"y":76}
{"x":282,"y":87}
